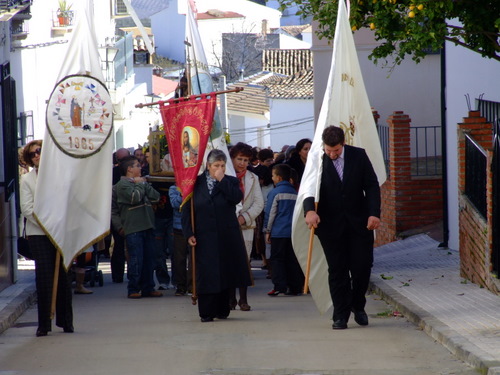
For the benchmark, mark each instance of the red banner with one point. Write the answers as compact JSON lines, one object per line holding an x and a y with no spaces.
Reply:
{"x":187,"y":125}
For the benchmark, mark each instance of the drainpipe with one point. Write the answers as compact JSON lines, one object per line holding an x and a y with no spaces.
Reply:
{"x":446,"y":231}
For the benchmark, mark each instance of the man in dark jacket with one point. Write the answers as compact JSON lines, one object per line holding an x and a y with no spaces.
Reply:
{"x":348,"y":212}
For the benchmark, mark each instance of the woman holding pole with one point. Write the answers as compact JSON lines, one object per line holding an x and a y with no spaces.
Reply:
{"x":221,"y":263}
{"x":44,"y":254}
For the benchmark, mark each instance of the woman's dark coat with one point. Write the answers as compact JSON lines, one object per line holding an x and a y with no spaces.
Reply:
{"x":221,"y":259}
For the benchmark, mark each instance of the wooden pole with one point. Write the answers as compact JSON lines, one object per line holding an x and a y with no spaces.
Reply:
{"x":170,"y":101}
{"x":309,"y":255}
{"x":194,"y":296}
{"x":54,"y":286}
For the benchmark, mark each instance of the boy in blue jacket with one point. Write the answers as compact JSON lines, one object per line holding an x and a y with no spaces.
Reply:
{"x":278,"y":227}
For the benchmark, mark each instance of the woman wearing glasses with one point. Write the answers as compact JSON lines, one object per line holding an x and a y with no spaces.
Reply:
{"x":44,"y":253}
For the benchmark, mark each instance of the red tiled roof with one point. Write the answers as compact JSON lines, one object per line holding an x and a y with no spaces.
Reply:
{"x":215,"y":14}
{"x":163,"y":86}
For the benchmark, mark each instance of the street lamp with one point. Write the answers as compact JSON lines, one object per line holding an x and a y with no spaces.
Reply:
{"x":151,"y":98}
{"x":108,"y":55}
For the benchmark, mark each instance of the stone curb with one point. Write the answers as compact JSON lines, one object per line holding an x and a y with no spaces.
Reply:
{"x":449,"y":338}
{"x":17,"y":307}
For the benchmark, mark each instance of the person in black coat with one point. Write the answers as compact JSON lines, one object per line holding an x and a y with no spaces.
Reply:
{"x":298,"y":157}
{"x":348,"y":212}
{"x":221,"y":260}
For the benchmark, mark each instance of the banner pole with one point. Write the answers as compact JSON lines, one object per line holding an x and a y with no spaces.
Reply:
{"x":194,"y":296}
{"x":309,"y":255}
{"x":54,"y":285}
{"x":141,"y":105}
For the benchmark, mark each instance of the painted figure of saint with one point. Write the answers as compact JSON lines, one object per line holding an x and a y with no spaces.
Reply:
{"x":189,"y":153}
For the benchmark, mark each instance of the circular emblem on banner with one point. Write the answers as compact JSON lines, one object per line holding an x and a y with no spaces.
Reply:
{"x":80,"y":115}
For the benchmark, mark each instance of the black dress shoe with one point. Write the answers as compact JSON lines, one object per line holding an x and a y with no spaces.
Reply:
{"x":40,"y":333}
{"x":221,"y":316}
{"x":205,"y":320}
{"x":68,"y":329}
{"x":360,"y":317}
{"x":339,"y":324}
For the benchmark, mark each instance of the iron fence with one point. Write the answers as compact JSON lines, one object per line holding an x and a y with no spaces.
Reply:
{"x":425,"y":151}
{"x":475,"y":174}
{"x":488,"y":109}
{"x":495,"y":256}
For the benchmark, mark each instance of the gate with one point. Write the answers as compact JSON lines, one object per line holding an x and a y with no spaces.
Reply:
{"x":495,"y":256}
{"x":491,"y":111}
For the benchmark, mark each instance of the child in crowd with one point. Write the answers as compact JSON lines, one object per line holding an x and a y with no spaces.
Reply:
{"x":278,"y":226}
{"x":134,"y":198}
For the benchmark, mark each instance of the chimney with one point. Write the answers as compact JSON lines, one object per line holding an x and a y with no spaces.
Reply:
{"x":264,"y":27}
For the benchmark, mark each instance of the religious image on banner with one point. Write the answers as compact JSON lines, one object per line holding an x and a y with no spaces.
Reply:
{"x":188,"y":124}
{"x":190,"y":146}
{"x":78,"y":116}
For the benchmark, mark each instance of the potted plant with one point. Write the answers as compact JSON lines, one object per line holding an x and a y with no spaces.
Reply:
{"x":63,"y":13}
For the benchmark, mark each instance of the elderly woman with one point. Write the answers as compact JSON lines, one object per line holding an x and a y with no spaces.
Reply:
{"x":221,"y":263}
{"x":44,"y":253}
{"x":252,"y":205}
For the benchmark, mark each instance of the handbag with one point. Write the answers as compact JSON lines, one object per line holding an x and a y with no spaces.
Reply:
{"x":23,"y":246}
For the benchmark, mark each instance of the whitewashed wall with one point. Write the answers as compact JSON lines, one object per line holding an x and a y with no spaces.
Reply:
{"x":466,"y":73}
{"x":36,"y":68}
{"x":291,"y":120}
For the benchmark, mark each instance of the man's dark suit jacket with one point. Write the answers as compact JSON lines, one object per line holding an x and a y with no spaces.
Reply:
{"x":348,"y":202}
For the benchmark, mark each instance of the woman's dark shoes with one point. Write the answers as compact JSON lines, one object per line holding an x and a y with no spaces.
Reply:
{"x":68,"y":329}
{"x":339,"y":324}
{"x":244,"y":306}
{"x":208,"y":319}
{"x":221,"y":316}
{"x":232,"y":304}
{"x":41,"y":332}
{"x":360,"y":317}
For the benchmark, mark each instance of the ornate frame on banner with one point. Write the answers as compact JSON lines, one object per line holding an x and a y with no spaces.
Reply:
{"x":80,"y":115}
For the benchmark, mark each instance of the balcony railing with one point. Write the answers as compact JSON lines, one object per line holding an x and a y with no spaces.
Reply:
{"x":63,"y":19}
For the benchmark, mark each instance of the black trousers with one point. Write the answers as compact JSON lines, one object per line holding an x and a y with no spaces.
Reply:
{"x":118,"y":256}
{"x":286,"y":269}
{"x":44,"y":254}
{"x":182,"y":262}
{"x":213,"y":305}
{"x":350,"y":259}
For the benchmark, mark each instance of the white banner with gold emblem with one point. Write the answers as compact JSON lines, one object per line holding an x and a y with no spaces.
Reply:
{"x":345,"y":105}
{"x":73,"y":191}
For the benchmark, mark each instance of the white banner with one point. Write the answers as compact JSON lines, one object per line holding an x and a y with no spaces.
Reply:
{"x":201,"y":82}
{"x":73,"y":191}
{"x":345,"y":105}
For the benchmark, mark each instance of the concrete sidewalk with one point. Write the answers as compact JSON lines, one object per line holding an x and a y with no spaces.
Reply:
{"x":420,"y":280}
{"x":423,"y":282}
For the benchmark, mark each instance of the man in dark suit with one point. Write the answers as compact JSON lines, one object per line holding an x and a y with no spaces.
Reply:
{"x":348,"y":212}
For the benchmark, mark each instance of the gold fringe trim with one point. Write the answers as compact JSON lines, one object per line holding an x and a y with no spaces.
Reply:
{"x":58,"y":248}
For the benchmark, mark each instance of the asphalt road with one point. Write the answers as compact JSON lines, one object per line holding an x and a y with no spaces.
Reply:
{"x":281,"y":335}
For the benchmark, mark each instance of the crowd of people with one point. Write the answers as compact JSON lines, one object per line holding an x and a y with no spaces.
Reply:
{"x":228,"y":222}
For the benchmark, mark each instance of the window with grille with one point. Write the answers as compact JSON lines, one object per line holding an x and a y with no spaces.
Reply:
{"x":120,"y":8}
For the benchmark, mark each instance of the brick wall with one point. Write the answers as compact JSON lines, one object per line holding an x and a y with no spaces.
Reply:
{"x":475,"y":230}
{"x":407,"y":202}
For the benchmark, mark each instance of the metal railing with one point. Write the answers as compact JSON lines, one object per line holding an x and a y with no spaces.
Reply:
{"x":488,"y":109}
{"x":63,"y":19}
{"x":425,"y":149}
{"x":475,"y":174}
